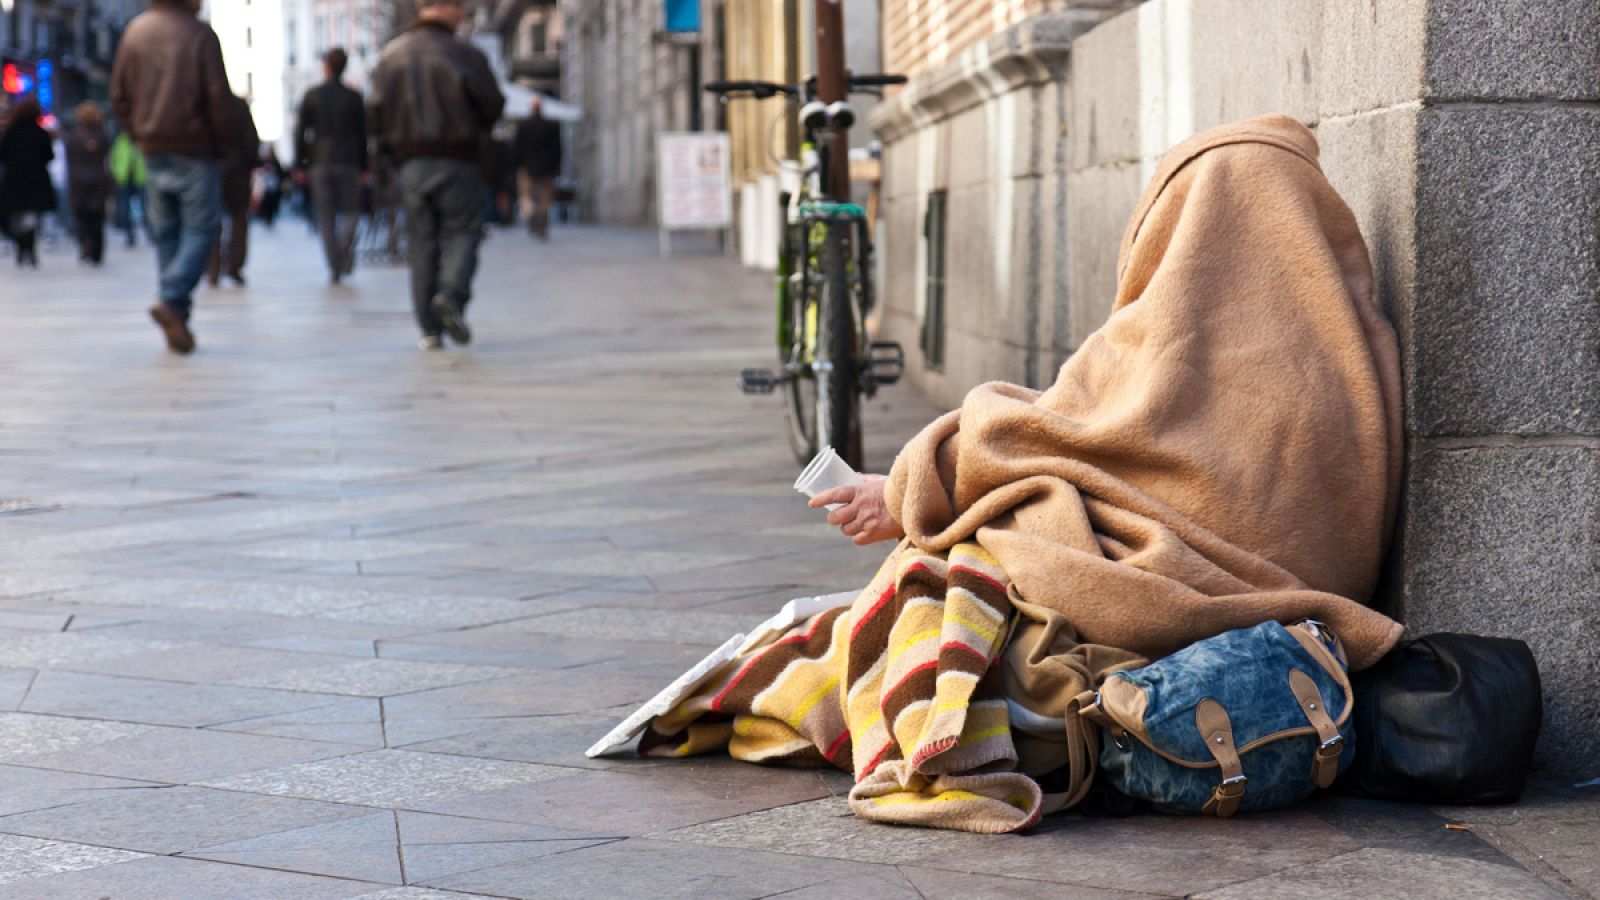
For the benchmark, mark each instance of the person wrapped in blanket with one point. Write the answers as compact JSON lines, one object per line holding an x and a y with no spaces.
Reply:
{"x":1224,"y":450}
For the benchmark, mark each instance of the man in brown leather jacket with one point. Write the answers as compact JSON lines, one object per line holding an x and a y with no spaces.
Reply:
{"x":432,"y":103}
{"x":170,"y":93}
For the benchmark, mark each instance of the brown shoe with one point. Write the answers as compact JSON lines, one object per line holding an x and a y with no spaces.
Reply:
{"x":179,"y":338}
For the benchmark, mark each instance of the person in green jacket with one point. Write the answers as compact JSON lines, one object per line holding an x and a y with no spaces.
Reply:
{"x":127,"y":170}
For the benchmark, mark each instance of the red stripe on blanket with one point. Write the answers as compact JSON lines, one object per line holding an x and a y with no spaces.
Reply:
{"x":840,"y":744}
{"x":883,"y":697}
{"x":975,"y":573}
{"x":957,"y":645}
{"x":931,"y":750}
{"x":716,"y":703}
{"x":888,"y":594}
{"x":877,"y":759}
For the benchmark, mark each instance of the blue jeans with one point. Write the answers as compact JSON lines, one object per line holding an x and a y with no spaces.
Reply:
{"x":183,"y":204}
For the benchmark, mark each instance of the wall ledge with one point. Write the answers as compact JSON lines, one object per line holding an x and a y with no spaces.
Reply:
{"x":1031,"y":52}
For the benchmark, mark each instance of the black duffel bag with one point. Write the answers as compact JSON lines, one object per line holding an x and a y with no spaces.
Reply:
{"x":1446,"y":718}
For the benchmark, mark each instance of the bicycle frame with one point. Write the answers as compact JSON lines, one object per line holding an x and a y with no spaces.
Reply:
{"x":824,"y":278}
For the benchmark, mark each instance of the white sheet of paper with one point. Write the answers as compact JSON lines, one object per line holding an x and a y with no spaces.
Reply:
{"x":796,"y":610}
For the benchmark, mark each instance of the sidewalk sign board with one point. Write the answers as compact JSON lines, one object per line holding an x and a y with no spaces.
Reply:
{"x":694,"y":188}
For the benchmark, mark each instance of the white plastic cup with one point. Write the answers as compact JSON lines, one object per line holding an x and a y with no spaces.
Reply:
{"x":825,"y":472}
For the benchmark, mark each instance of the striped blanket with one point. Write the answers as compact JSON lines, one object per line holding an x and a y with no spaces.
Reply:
{"x":903,"y":687}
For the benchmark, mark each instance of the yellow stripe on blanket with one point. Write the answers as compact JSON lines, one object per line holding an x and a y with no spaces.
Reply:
{"x":812,"y":699}
{"x":913,"y":797}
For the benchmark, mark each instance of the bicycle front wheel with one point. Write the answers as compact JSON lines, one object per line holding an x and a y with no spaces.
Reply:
{"x":838,"y":402}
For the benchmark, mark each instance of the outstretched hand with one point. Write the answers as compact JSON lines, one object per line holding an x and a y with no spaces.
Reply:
{"x":864,"y":517}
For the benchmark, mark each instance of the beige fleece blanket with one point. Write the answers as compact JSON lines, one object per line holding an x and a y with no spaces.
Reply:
{"x":1226,"y":449}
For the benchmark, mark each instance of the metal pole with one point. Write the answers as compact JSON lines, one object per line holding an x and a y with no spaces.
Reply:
{"x":833,"y":84}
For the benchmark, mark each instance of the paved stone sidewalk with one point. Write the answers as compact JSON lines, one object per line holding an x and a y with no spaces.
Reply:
{"x":314,"y":614}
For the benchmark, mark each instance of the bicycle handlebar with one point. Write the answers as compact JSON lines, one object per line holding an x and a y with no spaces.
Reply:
{"x":876,"y":80}
{"x":764,"y":89}
{"x":761,"y":89}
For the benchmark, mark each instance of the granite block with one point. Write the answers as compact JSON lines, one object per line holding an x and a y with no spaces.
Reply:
{"x":1505,"y":328}
{"x":1501,"y":541}
{"x":1489,"y":50}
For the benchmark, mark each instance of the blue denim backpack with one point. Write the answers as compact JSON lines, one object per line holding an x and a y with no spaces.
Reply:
{"x":1251,"y":719}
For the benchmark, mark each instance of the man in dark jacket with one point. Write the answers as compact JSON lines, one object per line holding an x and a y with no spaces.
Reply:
{"x":330,"y":139}
{"x":237,"y":171}
{"x":538,"y":148}
{"x":170,"y":92}
{"x":433,"y":102}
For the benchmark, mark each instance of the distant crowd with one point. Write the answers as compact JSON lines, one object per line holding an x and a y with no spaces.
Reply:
{"x":182,"y":162}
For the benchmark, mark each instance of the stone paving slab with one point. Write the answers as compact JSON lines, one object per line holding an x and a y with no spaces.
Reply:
{"x":184,"y":755}
{"x":639,"y":868}
{"x":173,"y":819}
{"x":314,"y":614}
{"x":395,"y":779}
{"x":156,"y":702}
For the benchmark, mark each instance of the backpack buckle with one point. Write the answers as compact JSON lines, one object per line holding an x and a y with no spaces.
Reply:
{"x":1225,"y":797}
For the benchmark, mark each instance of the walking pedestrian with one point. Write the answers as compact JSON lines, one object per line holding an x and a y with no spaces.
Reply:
{"x":331,"y":142}
{"x":434,"y":100}
{"x":270,"y":177}
{"x":127,"y":170}
{"x":26,"y":191}
{"x":89,"y":181}
{"x":538,"y":145}
{"x":170,"y":92}
{"x":238,"y":170}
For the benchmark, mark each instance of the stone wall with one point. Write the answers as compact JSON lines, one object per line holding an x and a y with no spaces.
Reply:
{"x":631,"y":85}
{"x":1465,"y":134}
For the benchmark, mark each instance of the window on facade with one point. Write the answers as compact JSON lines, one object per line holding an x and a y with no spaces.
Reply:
{"x":934,"y":232}
{"x":249,"y":38}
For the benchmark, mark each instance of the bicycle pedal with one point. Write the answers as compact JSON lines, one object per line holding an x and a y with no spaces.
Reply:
{"x":886,"y":360}
{"x":758,"y":381}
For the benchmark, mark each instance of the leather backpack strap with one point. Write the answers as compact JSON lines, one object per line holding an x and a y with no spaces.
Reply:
{"x":1087,"y":705}
{"x":1217,"y":730}
{"x":1325,"y":764}
{"x":1083,"y":750}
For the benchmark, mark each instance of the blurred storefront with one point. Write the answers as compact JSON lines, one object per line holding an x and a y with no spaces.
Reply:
{"x":60,"y":51}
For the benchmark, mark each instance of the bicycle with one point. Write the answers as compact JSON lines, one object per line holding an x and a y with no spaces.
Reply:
{"x":827,"y":362}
